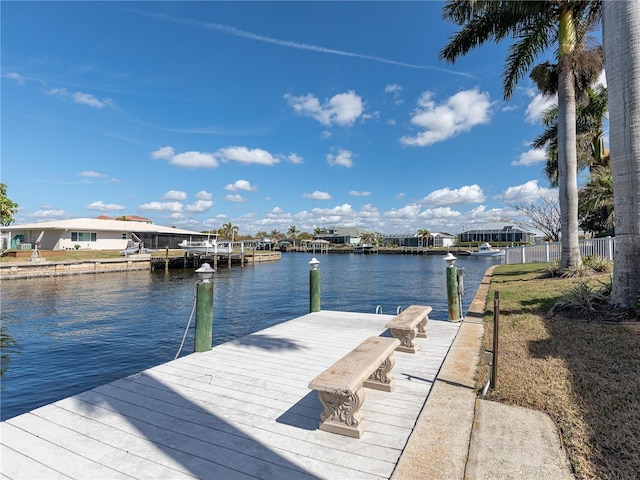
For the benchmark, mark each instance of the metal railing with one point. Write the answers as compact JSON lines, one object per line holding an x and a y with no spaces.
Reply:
{"x":550,"y":251}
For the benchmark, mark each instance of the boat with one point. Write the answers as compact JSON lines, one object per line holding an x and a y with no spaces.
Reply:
{"x":135,"y":247}
{"x":485,"y":250}
{"x":200,"y":246}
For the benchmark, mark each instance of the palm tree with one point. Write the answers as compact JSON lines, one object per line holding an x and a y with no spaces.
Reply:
{"x":229,"y":229}
{"x":275,"y":235}
{"x":596,"y":201}
{"x":367,"y":238}
{"x":536,"y":27}
{"x":319,"y":231}
{"x":293,"y":233}
{"x":621,"y":24}
{"x":589,"y":130}
{"x":424,"y":234}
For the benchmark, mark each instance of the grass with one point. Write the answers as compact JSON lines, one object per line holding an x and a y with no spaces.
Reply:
{"x":581,"y":371}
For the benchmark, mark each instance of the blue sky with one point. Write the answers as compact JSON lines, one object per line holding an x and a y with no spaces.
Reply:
{"x":266,"y":115}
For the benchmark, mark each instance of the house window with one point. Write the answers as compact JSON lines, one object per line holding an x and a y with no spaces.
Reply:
{"x":124,"y":236}
{"x":83,"y":236}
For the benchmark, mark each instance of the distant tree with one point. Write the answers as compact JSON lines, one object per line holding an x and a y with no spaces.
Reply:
{"x":229,"y":230}
{"x":424,"y":235}
{"x":367,"y":238}
{"x":543,"y":215}
{"x":275,"y":235}
{"x":319,"y":231}
{"x":261,"y":235}
{"x":293,"y":233}
{"x":8,"y":208}
{"x":305,"y":236}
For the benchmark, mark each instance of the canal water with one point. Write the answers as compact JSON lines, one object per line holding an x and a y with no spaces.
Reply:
{"x":65,"y":335}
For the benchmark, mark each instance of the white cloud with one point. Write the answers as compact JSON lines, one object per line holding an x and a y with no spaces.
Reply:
{"x":15,"y":76}
{"x":194,"y":160}
{"x":164,"y":153}
{"x":203,"y":195}
{"x":240,"y":185}
{"x":339,"y":210}
{"x":246,"y":155}
{"x":317,"y":195}
{"x":538,"y":105}
{"x":356,"y":193}
{"x":92,"y":174}
{"x":533,"y":156}
{"x":294,"y":158}
{"x":87,"y":99}
{"x":48,"y":214}
{"x":57,"y":92}
{"x":406,"y":212}
{"x":104,"y":207}
{"x":341,"y":109}
{"x":161,"y":207}
{"x":343,"y":158}
{"x":175,"y":195}
{"x":394,"y":89}
{"x":200,"y":206}
{"x":459,"y":113}
{"x":460,"y":196}
{"x":439,"y":213}
{"x":527,"y":192}
{"x":235,"y":198}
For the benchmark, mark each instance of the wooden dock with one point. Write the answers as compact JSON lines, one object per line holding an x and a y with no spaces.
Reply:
{"x":242,"y":410}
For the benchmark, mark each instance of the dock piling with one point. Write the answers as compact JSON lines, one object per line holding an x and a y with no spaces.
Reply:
{"x":204,"y":308}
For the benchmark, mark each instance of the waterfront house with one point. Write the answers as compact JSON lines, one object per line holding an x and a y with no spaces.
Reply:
{"x":506,"y":234}
{"x":342,"y":235}
{"x":94,"y":234}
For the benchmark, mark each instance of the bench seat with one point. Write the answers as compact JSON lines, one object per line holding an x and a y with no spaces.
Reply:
{"x":409,"y":324}
{"x":340,"y":387}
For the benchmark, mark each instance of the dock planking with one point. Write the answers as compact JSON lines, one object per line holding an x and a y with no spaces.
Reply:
{"x":242,"y":410}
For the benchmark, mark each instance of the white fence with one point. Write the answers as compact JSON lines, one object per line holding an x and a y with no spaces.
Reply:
{"x":549,"y":252}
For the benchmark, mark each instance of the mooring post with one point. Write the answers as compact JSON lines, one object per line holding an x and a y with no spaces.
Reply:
{"x":204,"y":308}
{"x":496,"y":321}
{"x":453,"y":299}
{"x":314,"y":286}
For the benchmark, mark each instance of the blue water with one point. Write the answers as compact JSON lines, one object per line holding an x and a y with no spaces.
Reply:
{"x":65,"y":335}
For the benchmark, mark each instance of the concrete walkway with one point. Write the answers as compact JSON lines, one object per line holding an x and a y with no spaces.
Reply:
{"x":459,"y":436}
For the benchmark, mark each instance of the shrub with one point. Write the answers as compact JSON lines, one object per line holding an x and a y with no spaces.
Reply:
{"x":583,"y":296}
{"x":598,"y":264}
{"x":576,"y":271}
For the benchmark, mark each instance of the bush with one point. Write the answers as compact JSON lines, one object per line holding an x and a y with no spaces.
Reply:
{"x":598,"y":264}
{"x":583,"y":296}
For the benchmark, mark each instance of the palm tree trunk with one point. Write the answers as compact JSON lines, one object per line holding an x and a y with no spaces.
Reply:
{"x":567,"y":150}
{"x":621,"y":36}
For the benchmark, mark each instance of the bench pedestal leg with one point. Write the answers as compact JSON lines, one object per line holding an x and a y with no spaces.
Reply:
{"x":406,"y":339}
{"x":341,"y":413}
{"x":422,"y":328}
{"x":380,"y":379}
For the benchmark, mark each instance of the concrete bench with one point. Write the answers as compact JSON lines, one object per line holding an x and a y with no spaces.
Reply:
{"x":340,"y":387}
{"x":408,"y":325}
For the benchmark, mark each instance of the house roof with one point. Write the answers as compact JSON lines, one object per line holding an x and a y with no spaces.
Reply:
{"x":96,"y":224}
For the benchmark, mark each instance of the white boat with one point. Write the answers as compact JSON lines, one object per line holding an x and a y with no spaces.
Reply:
{"x":199,"y":246}
{"x":485,"y":250}
{"x":135,"y":247}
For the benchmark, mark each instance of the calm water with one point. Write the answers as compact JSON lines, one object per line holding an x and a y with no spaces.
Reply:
{"x":65,"y":335}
